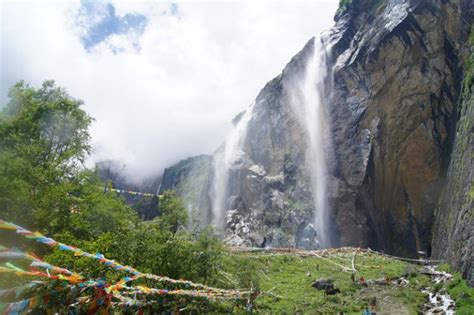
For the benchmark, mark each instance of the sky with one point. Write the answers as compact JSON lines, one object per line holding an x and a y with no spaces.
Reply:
{"x":163,"y":80}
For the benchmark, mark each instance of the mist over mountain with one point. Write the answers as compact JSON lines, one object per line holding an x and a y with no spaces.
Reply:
{"x":162,"y":80}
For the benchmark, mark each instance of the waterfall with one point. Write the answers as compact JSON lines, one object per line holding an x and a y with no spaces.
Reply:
{"x":224,"y":160}
{"x":307,"y":94}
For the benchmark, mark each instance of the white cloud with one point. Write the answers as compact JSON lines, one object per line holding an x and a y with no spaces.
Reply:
{"x":174,"y":97}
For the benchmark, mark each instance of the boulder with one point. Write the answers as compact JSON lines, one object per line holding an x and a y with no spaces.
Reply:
{"x":323,"y":284}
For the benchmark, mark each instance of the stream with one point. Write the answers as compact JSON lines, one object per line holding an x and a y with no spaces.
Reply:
{"x":439,"y":302}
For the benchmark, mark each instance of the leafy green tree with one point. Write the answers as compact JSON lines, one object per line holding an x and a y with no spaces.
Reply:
{"x":173,"y":212}
{"x":210,"y":250}
{"x":46,"y":126}
{"x":44,"y":140}
{"x":95,"y":212}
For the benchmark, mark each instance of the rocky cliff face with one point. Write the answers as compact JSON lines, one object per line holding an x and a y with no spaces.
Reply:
{"x":113,"y":174}
{"x":190,"y":179}
{"x":453,"y":233}
{"x":392,"y":115}
{"x":397,"y":84}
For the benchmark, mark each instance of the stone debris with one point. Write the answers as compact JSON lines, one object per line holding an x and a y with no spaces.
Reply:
{"x":438,"y":302}
{"x":327,"y":285}
{"x":437,"y":276}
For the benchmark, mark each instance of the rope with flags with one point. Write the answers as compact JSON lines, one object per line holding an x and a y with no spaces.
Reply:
{"x":104,"y":294}
{"x":40,"y":238}
{"x":130,"y":192}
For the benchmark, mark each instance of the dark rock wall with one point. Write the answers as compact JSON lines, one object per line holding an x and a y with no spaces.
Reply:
{"x":394,"y":114}
{"x":113,"y":173}
{"x":394,"y":117}
{"x":453,"y":232}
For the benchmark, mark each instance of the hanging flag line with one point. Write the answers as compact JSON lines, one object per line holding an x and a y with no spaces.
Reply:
{"x":40,"y":238}
{"x":77,"y":278}
{"x":124,"y":300}
{"x":10,"y":268}
{"x":35,"y":261}
{"x":15,"y":308}
{"x":17,"y":291}
{"x":74,"y":279}
{"x":81,"y":282}
{"x":19,"y":306}
{"x":105,"y":298}
{"x":121,"y":191}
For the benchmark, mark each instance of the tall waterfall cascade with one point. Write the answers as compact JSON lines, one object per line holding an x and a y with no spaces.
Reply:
{"x":224,"y":160}
{"x":308,"y":95}
{"x":308,"y":92}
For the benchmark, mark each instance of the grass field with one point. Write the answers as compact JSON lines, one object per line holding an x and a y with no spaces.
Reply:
{"x":286,"y":280}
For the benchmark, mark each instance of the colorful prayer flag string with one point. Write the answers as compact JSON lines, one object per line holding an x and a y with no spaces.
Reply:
{"x":17,"y":291}
{"x":110,"y":263}
{"x":121,"y":191}
{"x":36,"y":262}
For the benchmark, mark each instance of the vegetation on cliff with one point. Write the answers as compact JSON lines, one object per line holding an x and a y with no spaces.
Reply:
{"x":343,"y":4}
{"x":453,"y":237}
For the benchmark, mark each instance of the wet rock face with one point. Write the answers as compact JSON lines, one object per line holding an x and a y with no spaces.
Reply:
{"x":272,"y":182}
{"x":392,"y":115}
{"x":453,"y":232}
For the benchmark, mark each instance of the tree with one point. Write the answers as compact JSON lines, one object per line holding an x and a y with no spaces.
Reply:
{"x":47,"y":126}
{"x":44,"y":140}
{"x":173,"y":213}
{"x":210,"y":253}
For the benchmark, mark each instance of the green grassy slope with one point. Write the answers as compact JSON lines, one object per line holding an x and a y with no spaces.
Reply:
{"x":287,"y":279}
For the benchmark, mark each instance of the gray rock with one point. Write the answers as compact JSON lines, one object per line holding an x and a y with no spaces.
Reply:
{"x":307,"y":238}
{"x":323,"y":284}
{"x":393,"y":120}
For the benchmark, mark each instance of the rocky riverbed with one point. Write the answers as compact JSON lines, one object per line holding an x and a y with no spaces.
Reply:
{"x":439,"y":302}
